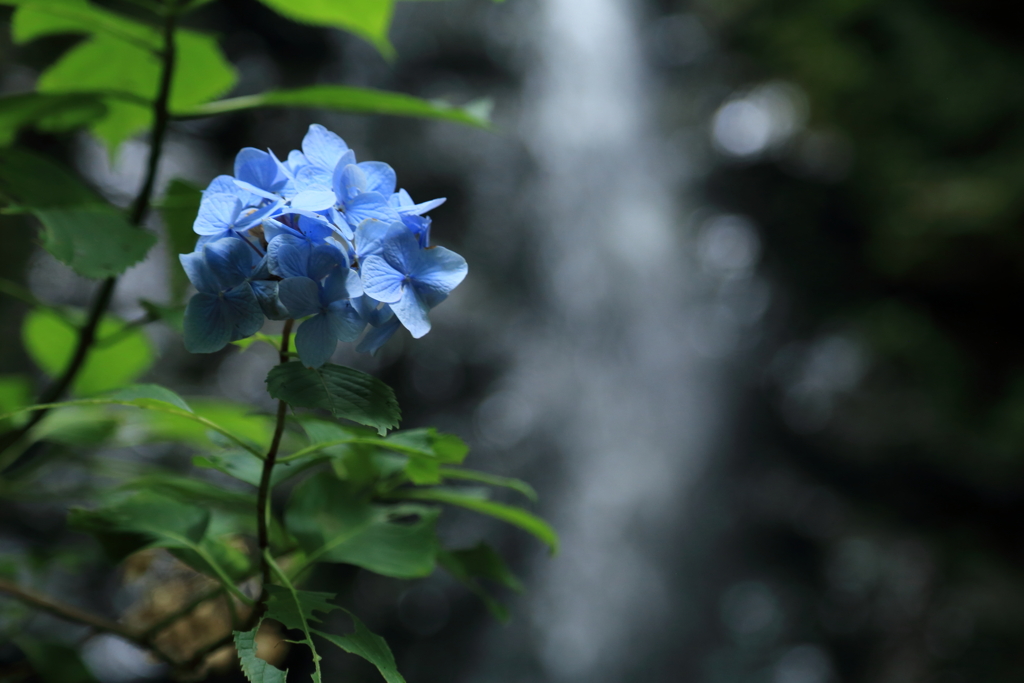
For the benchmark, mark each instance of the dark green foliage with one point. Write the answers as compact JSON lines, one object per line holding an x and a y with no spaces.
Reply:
{"x":335,"y":523}
{"x":127,"y":75}
{"x":481,"y":562}
{"x":344,"y":392}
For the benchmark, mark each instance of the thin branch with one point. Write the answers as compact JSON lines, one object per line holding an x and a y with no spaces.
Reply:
{"x":263,"y":495}
{"x":78,"y":616}
{"x":101,"y":302}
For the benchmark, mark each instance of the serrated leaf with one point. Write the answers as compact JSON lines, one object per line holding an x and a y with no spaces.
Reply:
{"x":256,"y":670}
{"x":294,"y":609}
{"x":47,"y":113}
{"x":368,"y":19}
{"x":350,"y":99}
{"x":333,"y":523}
{"x":368,"y":645}
{"x":139,"y":393}
{"x":32,"y":181}
{"x":178,"y":210}
{"x":506,"y":513}
{"x":96,"y":242}
{"x":117,"y":358}
{"x":344,"y":392}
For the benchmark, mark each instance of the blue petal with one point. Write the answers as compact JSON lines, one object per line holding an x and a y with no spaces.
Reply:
{"x":313,"y":178}
{"x":314,"y":341}
{"x":379,"y":177}
{"x":258,"y":168}
{"x":420,"y":209}
{"x":232,"y":260}
{"x":270,"y":303}
{"x":368,"y":309}
{"x":370,"y":236}
{"x":348,"y":182}
{"x":325,"y":259}
{"x":225,"y":184}
{"x":253,"y":189}
{"x":246,"y":316}
{"x":199,"y":272}
{"x":376,"y":337}
{"x":313,"y":200}
{"x":438,"y":272}
{"x":402,"y":249}
{"x":336,"y":286}
{"x":314,"y":226}
{"x":345,"y":321}
{"x":412,"y":311}
{"x":322,"y":147}
{"x":288,"y":256}
{"x":207,"y":324}
{"x":300,"y":295}
{"x":369,"y":205}
{"x":380,"y":280}
{"x":217,"y":213}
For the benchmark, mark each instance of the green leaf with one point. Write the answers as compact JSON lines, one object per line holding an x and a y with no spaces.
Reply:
{"x":272,"y":339}
{"x":368,"y":19}
{"x":55,"y":662}
{"x":192,"y":491}
{"x":236,"y":421}
{"x":345,"y":392}
{"x":49,"y":17}
{"x":294,"y":609}
{"x":97,"y":242}
{"x":174,"y":316}
{"x":127,"y":74}
{"x":242,"y":466}
{"x":146,"y":519}
{"x":174,"y":430}
{"x":118,"y":357}
{"x":15,"y":393}
{"x":491,"y":479}
{"x":350,"y":99}
{"x":151,"y":520}
{"x":255,"y":669}
{"x":506,"y":513}
{"x":82,"y":426}
{"x":332,"y":523}
{"x":47,"y":113}
{"x":179,"y":209}
{"x":368,"y":645}
{"x":139,"y":393}
{"x":481,"y":562}
{"x":32,"y":181}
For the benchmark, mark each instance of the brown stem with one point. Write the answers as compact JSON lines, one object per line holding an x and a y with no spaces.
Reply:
{"x":263,"y":495}
{"x":101,"y":302}
{"x":78,"y":616}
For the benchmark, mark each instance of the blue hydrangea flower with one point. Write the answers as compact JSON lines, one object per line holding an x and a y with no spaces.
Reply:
{"x":225,"y":308}
{"x":318,"y":236}
{"x":411,"y":279}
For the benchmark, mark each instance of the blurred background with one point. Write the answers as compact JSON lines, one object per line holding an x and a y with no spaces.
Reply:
{"x":742,"y":304}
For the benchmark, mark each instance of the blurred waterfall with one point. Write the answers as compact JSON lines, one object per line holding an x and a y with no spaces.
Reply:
{"x":607,"y":370}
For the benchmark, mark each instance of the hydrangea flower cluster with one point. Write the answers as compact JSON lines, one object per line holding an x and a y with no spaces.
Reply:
{"x":318,"y":236}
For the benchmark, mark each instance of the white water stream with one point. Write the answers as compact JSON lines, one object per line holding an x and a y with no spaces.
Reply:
{"x":609,"y":367}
